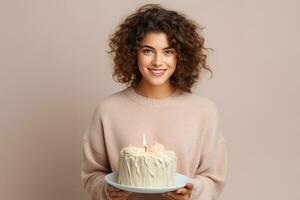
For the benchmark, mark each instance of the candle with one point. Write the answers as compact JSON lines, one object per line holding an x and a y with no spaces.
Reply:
{"x":145,"y":142}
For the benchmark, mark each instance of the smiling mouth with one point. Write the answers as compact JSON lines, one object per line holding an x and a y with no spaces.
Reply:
{"x":157,"y":72}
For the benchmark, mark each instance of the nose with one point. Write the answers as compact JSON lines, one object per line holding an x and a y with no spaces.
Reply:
{"x":157,"y":60}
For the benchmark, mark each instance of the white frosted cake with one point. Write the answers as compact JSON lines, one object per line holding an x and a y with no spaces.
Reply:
{"x":155,"y":167}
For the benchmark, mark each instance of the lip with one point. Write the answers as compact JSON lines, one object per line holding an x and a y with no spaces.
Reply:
{"x":157,"y":72}
{"x":155,"y":69}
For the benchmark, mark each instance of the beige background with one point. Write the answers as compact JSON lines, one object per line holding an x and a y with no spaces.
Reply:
{"x":54,"y":70}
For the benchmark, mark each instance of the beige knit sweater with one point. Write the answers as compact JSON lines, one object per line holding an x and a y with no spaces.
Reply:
{"x":184,"y":123}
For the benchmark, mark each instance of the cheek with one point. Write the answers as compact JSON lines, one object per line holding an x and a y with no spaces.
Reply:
{"x":172,"y":62}
{"x":143,"y":63}
{"x":143,"y":60}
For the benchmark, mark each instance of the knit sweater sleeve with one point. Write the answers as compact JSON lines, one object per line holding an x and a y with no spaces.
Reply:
{"x":95,"y":164}
{"x":209,"y":179}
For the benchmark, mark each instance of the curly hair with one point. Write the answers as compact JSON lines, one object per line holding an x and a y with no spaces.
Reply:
{"x":183,"y":35}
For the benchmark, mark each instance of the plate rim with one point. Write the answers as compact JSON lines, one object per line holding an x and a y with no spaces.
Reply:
{"x":146,"y":189}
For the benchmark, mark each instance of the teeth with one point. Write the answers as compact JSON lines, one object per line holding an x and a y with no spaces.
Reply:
{"x":157,"y":70}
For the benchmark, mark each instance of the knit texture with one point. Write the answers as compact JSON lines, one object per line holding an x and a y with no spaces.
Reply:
{"x":185,"y":123}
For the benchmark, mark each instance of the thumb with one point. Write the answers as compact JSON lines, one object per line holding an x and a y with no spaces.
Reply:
{"x":189,"y":186}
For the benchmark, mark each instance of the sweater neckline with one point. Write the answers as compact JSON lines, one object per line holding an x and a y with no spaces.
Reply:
{"x":132,"y":94}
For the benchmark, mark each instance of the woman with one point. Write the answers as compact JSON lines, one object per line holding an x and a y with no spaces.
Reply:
{"x":159,"y":54}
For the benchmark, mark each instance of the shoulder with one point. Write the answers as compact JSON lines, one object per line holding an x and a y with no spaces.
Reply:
{"x":111,"y":102}
{"x":204,"y":107}
{"x":200,"y":102}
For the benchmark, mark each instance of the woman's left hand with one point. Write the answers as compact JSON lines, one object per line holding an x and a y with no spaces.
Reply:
{"x":180,"y":194}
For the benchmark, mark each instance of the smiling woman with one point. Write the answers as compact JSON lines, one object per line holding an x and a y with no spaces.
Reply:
{"x":159,"y":54}
{"x":157,"y":62}
{"x":179,"y":33}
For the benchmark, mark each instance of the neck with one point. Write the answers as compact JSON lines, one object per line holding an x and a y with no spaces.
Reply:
{"x":154,"y":92}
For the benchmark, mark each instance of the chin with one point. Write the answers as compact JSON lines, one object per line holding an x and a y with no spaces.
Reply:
{"x":157,"y":82}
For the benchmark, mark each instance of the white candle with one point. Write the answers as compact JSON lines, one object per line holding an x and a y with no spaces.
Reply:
{"x":145,"y":142}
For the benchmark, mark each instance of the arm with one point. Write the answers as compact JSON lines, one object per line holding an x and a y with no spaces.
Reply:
{"x":95,"y":164}
{"x":210,"y":176}
{"x":209,"y":179}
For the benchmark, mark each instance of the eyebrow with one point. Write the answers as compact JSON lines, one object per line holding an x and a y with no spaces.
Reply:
{"x":154,"y":48}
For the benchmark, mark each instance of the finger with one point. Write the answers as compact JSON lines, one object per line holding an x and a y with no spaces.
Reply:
{"x":123,"y":194}
{"x":184,"y":194}
{"x":186,"y":189}
{"x":168,"y":196}
{"x":113,"y":196}
{"x":181,"y":191}
{"x":174,"y":196}
{"x":119,"y":198}
{"x":111,"y":188}
{"x":189,"y":186}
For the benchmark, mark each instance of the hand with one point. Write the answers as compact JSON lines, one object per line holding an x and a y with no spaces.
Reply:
{"x":117,"y":194}
{"x":180,"y":194}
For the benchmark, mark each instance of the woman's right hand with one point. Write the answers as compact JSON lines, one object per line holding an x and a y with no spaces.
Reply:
{"x":117,"y":194}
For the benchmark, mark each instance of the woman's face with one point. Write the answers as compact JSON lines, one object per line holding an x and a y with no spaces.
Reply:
{"x":156,"y":59}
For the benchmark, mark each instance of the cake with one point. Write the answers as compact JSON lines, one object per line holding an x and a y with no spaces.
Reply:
{"x":139,"y":167}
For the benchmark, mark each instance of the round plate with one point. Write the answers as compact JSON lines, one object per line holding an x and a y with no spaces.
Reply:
{"x":180,"y":181}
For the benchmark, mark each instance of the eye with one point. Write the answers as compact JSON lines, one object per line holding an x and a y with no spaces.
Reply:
{"x":147,"y":51}
{"x":168,"y":52}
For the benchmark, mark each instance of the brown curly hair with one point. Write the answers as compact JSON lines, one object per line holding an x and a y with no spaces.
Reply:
{"x":183,"y":35}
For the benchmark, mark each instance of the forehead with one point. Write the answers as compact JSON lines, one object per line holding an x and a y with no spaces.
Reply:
{"x":158,"y":40}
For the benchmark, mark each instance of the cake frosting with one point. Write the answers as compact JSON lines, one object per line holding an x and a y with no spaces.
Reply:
{"x":155,"y":167}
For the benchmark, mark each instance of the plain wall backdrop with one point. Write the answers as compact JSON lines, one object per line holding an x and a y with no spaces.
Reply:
{"x":54,"y":71}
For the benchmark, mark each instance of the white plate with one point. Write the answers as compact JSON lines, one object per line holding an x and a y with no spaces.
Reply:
{"x":180,"y":181}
